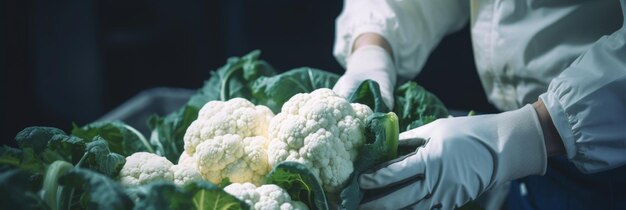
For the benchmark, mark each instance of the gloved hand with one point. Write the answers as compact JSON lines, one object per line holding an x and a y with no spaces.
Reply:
{"x":462,"y":158}
{"x":369,"y":62}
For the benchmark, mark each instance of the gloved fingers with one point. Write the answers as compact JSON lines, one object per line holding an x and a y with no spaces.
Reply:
{"x":408,"y":168}
{"x":422,"y":132}
{"x":406,"y":141}
{"x":345,"y":86}
{"x":399,"y":196}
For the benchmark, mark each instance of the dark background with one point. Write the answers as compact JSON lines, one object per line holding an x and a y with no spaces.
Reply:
{"x":67,"y":62}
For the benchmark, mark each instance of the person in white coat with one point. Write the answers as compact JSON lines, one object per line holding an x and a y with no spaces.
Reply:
{"x":557,"y":70}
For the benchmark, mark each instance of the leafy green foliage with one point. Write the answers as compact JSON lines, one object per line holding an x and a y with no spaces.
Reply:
{"x":160,"y":195}
{"x":36,"y":138}
{"x":97,"y":191}
{"x":415,"y":106}
{"x":94,"y":155}
{"x":18,"y":190}
{"x":274,"y":91}
{"x":232,"y":80}
{"x":99,"y":158}
{"x":206,"y":195}
{"x":237,"y":76}
{"x":195,"y":195}
{"x":24,"y":159}
{"x":39,"y":147}
{"x":368,"y":93}
{"x":122,"y":139}
{"x":168,"y":132}
{"x":55,"y":197}
{"x":10,"y":156}
{"x":225,"y":182}
{"x":64,"y":147}
{"x":300,"y":183}
{"x":383,"y":129}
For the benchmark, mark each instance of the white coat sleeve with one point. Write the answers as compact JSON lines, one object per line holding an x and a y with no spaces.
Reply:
{"x":412,"y":28}
{"x":587,"y":103}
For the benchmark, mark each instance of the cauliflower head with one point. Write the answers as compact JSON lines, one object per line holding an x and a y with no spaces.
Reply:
{"x":265,"y":197}
{"x":230,"y":156}
{"x":217,"y":118}
{"x":144,"y":167}
{"x":321,"y":130}
{"x":186,"y":171}
{"x":229,"y":140}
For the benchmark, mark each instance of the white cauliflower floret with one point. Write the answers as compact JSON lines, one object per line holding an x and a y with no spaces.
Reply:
{"x":186,"y":171}
{"x":217,"y":118}
{"x":229,"y":140}
{"x":320,"y":130}
{"x":274,"y":197}
{"x":244,"y":191}
{"x":185,"y":159}
{"x":362,"y":111}
{"x":268,"y":197}
{"x":229,"y":156}
{"x":145,"y":167}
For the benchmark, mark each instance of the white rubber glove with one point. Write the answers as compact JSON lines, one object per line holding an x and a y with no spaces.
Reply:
{"x":462,"y":158}
{"x":369,"y":62}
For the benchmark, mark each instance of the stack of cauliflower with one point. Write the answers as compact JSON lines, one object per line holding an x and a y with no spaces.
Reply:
{"x":241,"y":142}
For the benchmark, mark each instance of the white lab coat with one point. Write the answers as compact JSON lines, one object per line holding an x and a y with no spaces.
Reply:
{"x":571,"y":53}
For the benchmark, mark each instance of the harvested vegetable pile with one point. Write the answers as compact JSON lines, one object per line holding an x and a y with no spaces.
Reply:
{"x":250,"y":138}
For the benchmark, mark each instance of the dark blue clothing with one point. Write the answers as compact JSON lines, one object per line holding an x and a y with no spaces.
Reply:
{"x":565,"y":187}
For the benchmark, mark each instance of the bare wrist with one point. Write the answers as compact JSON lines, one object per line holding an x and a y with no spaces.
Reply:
{"x":553,"y":142}
{"x":372,"y":39}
